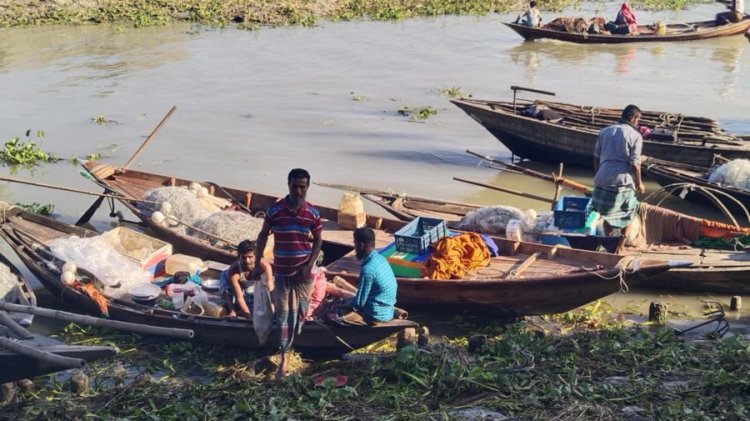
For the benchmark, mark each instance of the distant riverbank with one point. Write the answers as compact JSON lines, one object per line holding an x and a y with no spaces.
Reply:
{"x":253,"y":14}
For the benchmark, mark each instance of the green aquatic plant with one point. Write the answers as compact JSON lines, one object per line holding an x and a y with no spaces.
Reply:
{"x":24,"y":152}
{"x":39,"y":208}
{"x":453,"y":92}
{"x":417,"y":113}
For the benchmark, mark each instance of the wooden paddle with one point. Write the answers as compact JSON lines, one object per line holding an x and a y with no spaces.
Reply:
{"x":504,"y":190}
{"x":148,"y":139}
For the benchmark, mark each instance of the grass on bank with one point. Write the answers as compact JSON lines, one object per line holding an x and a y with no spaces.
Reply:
{"x":252,"y":14}
{"x":583,"y":365}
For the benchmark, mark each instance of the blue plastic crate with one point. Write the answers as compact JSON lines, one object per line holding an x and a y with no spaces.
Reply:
{"x":572,"y":212}
{"x":417,"y":235}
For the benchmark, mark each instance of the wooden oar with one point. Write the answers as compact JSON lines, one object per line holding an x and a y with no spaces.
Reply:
{"x":559,"y":180}
{"x":504,"y":190}
{"x":148,"y":139}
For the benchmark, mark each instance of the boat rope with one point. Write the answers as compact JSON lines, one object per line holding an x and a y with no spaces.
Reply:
{"x":592,"y":110}
{"x":322,"y":323}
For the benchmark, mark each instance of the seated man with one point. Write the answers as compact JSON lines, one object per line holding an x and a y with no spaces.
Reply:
{"x":233,"y":280}
{"x":376,"y":293}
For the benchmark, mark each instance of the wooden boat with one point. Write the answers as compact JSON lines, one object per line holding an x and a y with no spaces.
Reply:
{"x":572,"y":142}
{"x":553,"y":279}
{"x":722,"y":271}
{"x":647,"y":33}
{"x":134,"y":184}
{"x":28,"y":233}
{"x":676,"y":174}
{"x":25,"y":354}
{"x":14,"y":289}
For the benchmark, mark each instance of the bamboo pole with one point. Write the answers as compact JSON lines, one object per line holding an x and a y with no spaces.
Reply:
{"x":564,"y":181}
{"x":504,"y":190}
{"x":38,"y":354}
{"x":63,"y":188}
{"x":148,"y":139}
{"x":96,"y":321}
{"x":14,"y":327}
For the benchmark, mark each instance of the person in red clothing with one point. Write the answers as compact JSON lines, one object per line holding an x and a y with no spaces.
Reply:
{"x":626,"y":21}
{"x":297,"y":231}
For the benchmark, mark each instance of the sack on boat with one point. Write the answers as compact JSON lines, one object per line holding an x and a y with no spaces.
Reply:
{"x":262,"y":310}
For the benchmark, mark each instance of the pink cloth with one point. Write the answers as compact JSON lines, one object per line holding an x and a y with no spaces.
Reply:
{"x":318,"y":293}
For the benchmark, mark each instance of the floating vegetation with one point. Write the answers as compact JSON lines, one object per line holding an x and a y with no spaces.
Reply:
{"x":417,"y":113}
{"x":26,"y":152}
{"x":454,"y":92}
{"x":586,"y":364}
{"x":358,"y":98}
{"x":39,"y":208}
{"x":253,"y":14}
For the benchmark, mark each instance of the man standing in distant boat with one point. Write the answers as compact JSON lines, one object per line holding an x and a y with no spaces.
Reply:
{"x":297,"y":231}
{"x":530,"y":16}
{"x":617,"y":160}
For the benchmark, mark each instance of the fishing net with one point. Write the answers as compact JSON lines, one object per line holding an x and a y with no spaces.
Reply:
{"x":232,"y":226}
{"x":735,"y":173}
{"x":178,"y":203}
{"x":494,"y":219}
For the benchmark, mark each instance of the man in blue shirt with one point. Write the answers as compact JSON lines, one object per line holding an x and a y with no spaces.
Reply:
{"x":376,"y":292}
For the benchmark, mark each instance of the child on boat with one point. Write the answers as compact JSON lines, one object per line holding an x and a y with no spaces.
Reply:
{"x":234,"y":280}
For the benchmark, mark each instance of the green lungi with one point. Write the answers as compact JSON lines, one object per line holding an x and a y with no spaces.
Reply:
{"x":616,"y":205}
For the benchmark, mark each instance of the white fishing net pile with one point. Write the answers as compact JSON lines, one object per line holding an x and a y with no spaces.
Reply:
{"x":494,"y":219}
{"x":177,"y":202}
{"x":232,"y":226}
{"x":735,"y":173}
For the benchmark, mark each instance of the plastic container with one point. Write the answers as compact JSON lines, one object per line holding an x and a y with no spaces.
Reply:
{"x":178,"y":300}
{"x":572,"y":212}
{"x":182,"y":289}
{"x":513,"y":230}
{"x":351,"y":211}
{"x":416,"y":236}
{"x":182,"y":262}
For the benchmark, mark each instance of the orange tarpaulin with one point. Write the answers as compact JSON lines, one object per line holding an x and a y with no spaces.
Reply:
{"x":455,"y":256}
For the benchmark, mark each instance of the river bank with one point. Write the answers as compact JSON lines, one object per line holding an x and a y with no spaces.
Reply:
{"x":253,"y":14}
{"x":588,"y":364}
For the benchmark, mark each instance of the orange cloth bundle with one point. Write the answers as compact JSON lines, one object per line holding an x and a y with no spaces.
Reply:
{"x":455,"y":256}
{"x":96,"y":296}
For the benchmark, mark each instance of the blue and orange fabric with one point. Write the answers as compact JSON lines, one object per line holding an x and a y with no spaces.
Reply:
{"x":292,"y":232}
{"x":454,"y":257}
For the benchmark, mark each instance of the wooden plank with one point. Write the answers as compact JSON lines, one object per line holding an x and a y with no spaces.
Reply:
{"x":515,"y":273}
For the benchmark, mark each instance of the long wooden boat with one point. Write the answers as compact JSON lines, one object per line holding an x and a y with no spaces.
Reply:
{"x":134,"y":184}
{"x":668,"y":173}
{"x":712,"y":270}
{"x":647,"y":33}
{"x":21,"y":365}
{"x":28,"y":234}
{"x":573,"y":140}
{"x":553,"y":280}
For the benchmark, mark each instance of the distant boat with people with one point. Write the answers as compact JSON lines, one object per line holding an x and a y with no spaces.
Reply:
{"x":578,"y":30}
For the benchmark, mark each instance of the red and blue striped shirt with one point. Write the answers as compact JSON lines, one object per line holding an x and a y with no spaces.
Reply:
{"x":292,"y":235}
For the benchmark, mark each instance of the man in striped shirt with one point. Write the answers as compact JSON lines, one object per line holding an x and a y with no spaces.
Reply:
{"x":297,"y":232}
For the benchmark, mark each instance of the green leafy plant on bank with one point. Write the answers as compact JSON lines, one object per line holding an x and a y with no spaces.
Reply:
{"x":24,"y":152}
